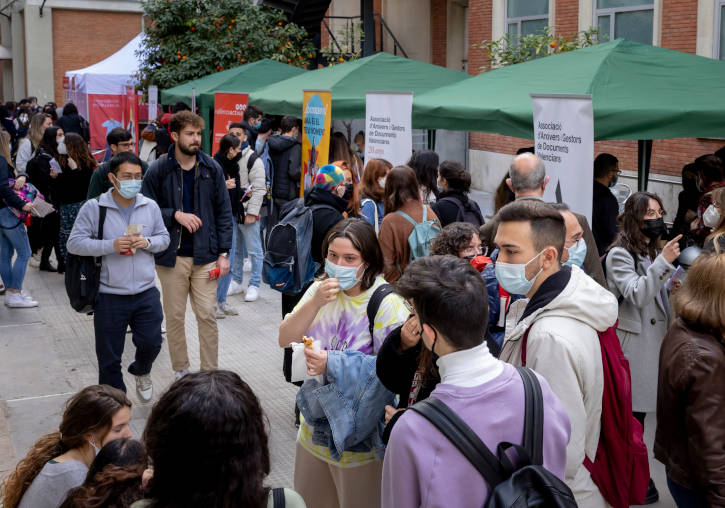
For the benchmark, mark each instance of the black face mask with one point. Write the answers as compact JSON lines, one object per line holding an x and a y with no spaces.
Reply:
{"x":348,"y":191}
{"x":654,"y":228}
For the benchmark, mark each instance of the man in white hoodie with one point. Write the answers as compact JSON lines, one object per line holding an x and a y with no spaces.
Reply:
{"x":554,"y":330}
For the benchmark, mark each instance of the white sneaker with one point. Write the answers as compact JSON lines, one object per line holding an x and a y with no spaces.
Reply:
{"x":252,"y":294}
{"x":220,"y":313}
{"x":34,"y":260}
{"x":178,"y":374}
{"x":227,"y":309}
{"x":26,"y":296}
{"x":247,"y":265}
{"x":16,"y":300}
{"x":144,"y":387}
{"x":235,"y":288}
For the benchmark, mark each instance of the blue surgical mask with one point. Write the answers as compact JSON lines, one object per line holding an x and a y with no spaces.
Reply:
{"x":512,"y":277}
{"x":345,"y":275}
{"x":128,"y":188}
{"x":577,"y":253}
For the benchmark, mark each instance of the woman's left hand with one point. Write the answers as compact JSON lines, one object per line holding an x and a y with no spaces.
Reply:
{"x":19,"y":182}
{"x":316,"y":362}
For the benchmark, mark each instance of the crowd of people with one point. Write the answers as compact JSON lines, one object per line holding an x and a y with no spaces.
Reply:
{"x":410,"y":307}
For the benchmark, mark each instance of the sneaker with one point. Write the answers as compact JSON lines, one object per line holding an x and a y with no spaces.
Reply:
{"x":227,"y":309}
{"x":220,"y":313}
{"x":2,"y":288}
{"x":26,"y":296}
{"x":144,"y":387}
{"x":652,"y":495}
{"x":247,"y":265}
{"x":234,"y":288}
{"x":178,"y":374}
{"x":252,"y":294}
{"x":16,"y":300}
{"x":47,"y":267}
{"x":34,"y":260}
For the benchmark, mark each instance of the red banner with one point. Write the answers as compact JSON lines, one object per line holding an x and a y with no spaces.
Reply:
{"x":131,"y":115}
{"x":105,"y":113}
{"x":228,"y":108}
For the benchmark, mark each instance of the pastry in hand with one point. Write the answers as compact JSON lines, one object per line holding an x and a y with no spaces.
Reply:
{"x":308,"y":341}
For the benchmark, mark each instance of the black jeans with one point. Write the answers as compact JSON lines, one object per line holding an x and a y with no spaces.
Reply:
{"x":50,"y":232}
{"x":113,"y":313}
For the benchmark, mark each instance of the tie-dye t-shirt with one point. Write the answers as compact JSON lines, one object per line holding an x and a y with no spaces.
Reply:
{"x":343,"y":324}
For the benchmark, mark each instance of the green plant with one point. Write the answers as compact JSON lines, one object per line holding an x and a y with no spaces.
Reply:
{"x":346,"y":46}
{"x":510,"y":50}
{"x":188,"y":39}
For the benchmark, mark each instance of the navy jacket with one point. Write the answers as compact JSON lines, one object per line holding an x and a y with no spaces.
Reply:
{"x":163,"y":184}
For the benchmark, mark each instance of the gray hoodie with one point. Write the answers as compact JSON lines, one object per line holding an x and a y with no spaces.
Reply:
{"x":120,"y":275}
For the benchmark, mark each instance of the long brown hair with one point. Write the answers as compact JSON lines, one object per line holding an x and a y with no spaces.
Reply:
{"x":353,"y":206}
{"x":718,"y":199}
{"x":401,"y":186}
{"x":79,"y":152}
{"x":631,"y":222}
{"x":89,"y":411}
{"x":699,"y":302}
{"x":369,"y":186}
{"x":502,"y":196}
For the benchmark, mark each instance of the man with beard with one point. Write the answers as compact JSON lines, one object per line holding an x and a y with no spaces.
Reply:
{"x":190,"y":190}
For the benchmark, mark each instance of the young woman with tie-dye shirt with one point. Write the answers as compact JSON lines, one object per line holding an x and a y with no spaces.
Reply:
{"x":334,"y":311}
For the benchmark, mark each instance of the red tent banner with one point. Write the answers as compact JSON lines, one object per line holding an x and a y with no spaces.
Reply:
{"x":228,"y":108}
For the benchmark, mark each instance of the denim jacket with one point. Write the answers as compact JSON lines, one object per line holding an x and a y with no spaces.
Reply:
{"x":347,"y":411}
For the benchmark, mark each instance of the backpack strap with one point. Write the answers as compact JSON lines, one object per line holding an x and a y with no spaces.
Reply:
{"x":374,"y":304}
{"x":461,"y":211}
{"x":252,"y":159}
{"x":462,"y":437}
{"x":533,"y":416}
{"x":523,"y":346}
{"x":101,"y":221}
{"x":278,"y":500}
{"x":409,"y":218}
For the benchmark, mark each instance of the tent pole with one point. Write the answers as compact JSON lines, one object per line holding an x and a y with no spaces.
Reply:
{"x":431,"y":139}
{"x":644,"y":158}
{"x":207,"y":133}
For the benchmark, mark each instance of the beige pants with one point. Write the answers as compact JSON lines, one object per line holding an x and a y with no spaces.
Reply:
{"x":183,"y":281}
{"x":323,"y":485}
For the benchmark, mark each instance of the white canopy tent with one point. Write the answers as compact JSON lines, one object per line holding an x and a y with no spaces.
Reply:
{"x":99,"y":91}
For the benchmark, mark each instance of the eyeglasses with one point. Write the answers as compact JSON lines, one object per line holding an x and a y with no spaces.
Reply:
{"x":126,"y":144}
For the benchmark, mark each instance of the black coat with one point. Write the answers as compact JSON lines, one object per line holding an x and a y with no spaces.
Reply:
{"x":38,"y":171}
{"x":231,"y":170}
{"x":163,"y":184}
{"x":323,"y":219}
{"x":7,"y":196}
{"x":286,"y":155}
{"x":73,"y":123}
{"x":605,"y":210}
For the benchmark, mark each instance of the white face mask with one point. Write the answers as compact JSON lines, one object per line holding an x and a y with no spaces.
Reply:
{"x":711,"y":217}
{"x":61,"y":146}
{"x":381,"y":182}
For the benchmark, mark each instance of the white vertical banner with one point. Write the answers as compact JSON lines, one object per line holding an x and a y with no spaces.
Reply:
{"x":564,"y":140}
{"x":153,"y":102}
{"x":388,"y":126}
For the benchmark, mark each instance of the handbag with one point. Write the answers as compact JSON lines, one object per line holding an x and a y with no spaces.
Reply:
{"x":83,"y":275}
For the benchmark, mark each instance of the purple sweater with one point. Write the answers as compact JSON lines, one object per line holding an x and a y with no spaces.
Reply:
{"x":423,"y":469}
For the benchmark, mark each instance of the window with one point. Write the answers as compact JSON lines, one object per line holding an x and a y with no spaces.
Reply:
{"x":720,"y":30}
{"x":526,"y":17}
{"x":630,"y":19}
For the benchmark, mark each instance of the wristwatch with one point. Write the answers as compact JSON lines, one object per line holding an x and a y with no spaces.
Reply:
{"x":225,"y":254}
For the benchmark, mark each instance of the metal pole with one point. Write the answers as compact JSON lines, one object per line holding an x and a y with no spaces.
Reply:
{"x":644,"y":159}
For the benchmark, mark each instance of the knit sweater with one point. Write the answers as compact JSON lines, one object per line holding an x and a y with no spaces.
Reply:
{"x":393,"y":237}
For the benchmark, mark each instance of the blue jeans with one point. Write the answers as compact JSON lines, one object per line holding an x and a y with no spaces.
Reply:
{"x":112,"y":314}
{"x":223,"y":286}
{"x":251,"y":242}
{"x":684,"y":497}
{"x":13,"y":238}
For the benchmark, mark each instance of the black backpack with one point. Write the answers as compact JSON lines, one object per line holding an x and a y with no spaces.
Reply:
{"x":372,"y":310}
{"x":83,"y":275}
{"x":525,"y":484}
{"x":471,"y":213}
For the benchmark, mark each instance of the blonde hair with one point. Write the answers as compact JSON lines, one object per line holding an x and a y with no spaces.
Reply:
{"x":718,"y":199}
{"x":5,"y":147}
{"x":35,"y":131}
{"x":699,"y":301}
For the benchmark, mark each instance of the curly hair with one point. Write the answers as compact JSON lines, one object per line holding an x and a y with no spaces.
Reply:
{"x":89,"y":411}
{"x":453,"y":239}
{"x":631,"y":221}
{"x":207,"y":440}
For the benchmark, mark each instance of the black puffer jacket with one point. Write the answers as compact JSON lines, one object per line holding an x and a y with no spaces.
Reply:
{"x":323,"y":219}
{"x":447,"y":210}
{"x":286,"y":154}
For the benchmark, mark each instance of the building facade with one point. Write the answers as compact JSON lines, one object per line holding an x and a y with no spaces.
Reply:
{"x":46,"y":38}
{"x":443,"y":32}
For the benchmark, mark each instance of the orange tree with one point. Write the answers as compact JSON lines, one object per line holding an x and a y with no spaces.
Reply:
{"x":188,"y":39}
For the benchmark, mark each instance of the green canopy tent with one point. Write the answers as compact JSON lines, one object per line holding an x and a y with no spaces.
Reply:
{"x":638,"y":92}
{"x":350,"y":80}
{"x":244,"y":78}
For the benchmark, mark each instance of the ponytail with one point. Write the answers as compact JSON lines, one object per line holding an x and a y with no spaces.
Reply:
{"x":457,"y":177}
{"x":14,"y":486}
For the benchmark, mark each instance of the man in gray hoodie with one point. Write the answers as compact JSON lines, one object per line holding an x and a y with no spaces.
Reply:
{"x":127,"y":294}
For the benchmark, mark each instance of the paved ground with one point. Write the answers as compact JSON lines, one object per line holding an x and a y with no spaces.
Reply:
{"x":47,"y":354}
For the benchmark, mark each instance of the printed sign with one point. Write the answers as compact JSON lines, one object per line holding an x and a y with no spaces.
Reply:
{"x":564,"y":140}
{"x":131,"y":114}
{"x":316,"y":122}
{"x":228,"y":108}
{"x":388,"y":126}
{"x":153,"y":103}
